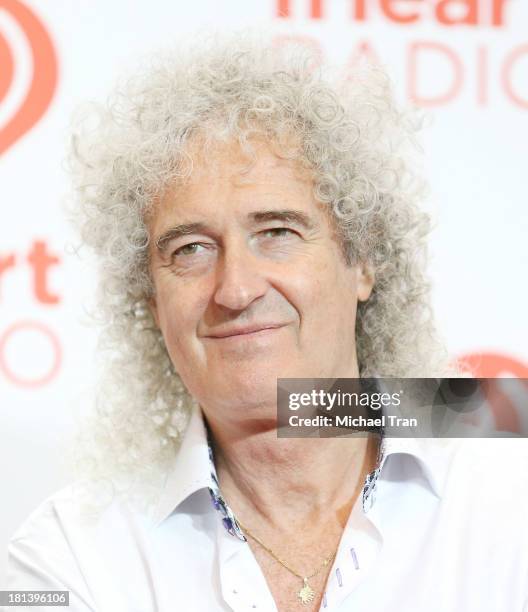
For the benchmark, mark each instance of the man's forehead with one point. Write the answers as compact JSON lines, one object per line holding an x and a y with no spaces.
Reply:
{"x":263,"y":183}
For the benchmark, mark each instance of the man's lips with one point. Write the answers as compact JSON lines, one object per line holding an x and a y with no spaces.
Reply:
{"x":244,"y":331}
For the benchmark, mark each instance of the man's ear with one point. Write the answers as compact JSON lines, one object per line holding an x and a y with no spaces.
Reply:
{"x":153,"y":307}
{"x":365,"y":281}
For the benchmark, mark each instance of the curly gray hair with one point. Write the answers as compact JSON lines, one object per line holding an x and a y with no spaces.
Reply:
{"x":350,"y":134}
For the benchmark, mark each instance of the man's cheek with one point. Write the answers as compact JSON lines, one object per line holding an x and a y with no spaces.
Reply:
{"x":171,"y":328}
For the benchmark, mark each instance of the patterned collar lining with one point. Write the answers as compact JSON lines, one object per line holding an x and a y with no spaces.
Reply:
{"x":228,"y":518}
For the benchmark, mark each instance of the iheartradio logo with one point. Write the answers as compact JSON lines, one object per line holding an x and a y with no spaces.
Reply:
{"x":28,"y":71}
{"x":443,"y":12}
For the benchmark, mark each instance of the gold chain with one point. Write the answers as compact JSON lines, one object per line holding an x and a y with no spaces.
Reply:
{"x":306,"y":594}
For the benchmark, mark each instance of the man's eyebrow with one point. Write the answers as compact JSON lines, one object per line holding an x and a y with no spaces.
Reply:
{"x":177,"y":231}
{"x":287,"y":216}
{"x":262,"y":216}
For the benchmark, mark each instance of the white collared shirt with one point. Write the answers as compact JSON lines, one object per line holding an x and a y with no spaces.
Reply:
{"x":443,"y":530}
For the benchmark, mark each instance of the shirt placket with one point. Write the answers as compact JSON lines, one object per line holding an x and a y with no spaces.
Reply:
{"x":242,"y":583}
{"x":360,"y":544}
{"x":355,"y":560}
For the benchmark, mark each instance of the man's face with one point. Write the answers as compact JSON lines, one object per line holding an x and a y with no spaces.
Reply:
{"x":250,"y":283}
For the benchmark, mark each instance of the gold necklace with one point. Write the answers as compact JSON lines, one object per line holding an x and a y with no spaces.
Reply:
{"x":306,"y":594}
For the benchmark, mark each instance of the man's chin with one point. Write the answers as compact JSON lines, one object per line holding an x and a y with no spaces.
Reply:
{"x":246,"y":397}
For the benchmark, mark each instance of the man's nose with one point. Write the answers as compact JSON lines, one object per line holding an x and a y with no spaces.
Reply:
{"x":240,"y":278}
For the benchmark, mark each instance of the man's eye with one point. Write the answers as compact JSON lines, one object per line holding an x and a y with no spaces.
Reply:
{"x":278,"y":232}
{"x":188,"y":249}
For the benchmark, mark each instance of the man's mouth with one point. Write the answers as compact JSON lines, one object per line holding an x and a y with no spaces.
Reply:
{"x":247,"y":330}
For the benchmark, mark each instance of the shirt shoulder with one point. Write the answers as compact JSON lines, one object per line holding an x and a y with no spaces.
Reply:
{"x":60,"y":545}
{"x":489,"y":458}
{"x":77,"y":503}
{"x":487,"y":476}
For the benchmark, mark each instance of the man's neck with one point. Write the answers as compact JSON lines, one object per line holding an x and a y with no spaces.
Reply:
{"x":297,"y":481}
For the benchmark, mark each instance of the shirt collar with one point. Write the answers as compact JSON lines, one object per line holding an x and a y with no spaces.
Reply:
{"x":428,"y":453}
{"x":193,"y":469}
{"x":189,"y":471}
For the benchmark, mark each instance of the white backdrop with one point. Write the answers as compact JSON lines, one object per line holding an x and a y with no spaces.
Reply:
{"x":465,"y":61}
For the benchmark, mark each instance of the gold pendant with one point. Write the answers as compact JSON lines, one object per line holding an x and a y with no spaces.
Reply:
{"x":306,"y":594}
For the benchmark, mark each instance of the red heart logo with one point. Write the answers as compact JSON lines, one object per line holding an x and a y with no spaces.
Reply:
{"x":493,"y":365}
{"x":43,"y":78}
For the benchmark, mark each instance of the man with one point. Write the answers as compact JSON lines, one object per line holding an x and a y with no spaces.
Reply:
{"x":255,"y":221}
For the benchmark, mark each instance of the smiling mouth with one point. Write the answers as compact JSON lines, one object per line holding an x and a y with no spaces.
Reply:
{"x":246,"y":332}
